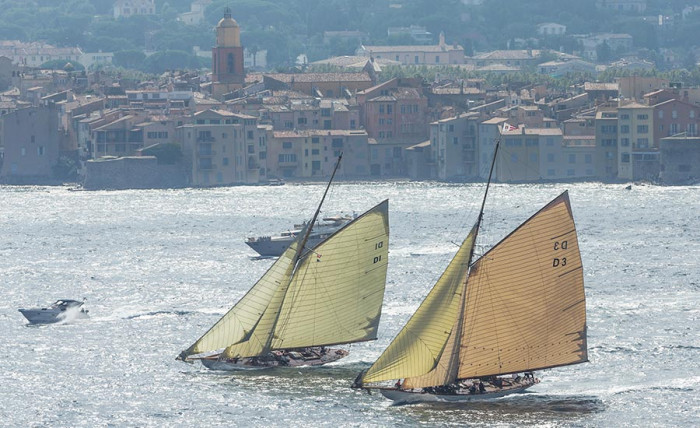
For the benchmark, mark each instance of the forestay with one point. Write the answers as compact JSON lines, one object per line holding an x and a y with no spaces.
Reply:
{"x":419,"y":348}
{"x":334,"y":295}
{"x":524,"y":309}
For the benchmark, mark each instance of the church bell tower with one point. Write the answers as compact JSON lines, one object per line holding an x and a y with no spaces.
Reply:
{"x":227,"y":57}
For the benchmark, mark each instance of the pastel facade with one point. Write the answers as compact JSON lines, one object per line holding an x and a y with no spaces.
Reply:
{"x":224,"y":148}
{"x":440,"y":54}
{"x":454,"y":147}
{"x":312,"y":154}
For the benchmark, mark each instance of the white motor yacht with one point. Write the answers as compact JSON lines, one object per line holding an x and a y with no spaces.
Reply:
{"x":61,"y":310}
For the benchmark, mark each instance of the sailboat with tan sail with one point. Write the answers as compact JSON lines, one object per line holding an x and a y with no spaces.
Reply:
{"x":488,"y":323}
{"x":308,"y":301}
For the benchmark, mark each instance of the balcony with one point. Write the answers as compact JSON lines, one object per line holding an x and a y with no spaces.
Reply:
{"x":206,"y":139}
{"x":206,"y":166}
{"x":206,"y":153}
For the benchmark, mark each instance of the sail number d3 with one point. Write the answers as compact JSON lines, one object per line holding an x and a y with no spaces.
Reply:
{"x":560,"y":245}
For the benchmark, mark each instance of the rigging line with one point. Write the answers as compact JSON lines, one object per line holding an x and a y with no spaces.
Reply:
{"x":299,"y":252}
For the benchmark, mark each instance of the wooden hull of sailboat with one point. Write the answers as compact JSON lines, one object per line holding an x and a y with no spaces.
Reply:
{"x":286,"y":358}
{"x":400,"y":396}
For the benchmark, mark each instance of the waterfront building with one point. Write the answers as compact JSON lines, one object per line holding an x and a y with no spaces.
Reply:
{"x":606,"y":139}
{"x":30,"y":143}
{"x":637,"y":158}
{"x":453,"y":143}
{"x":224,"y":148}
{"x":312,"y":153}
{"x":680,"y":159}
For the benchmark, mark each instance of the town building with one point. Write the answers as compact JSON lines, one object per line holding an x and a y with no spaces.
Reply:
{"x":440,"y":54}
{"x":228,"y":72}
{"x":224,"y":148}
{"x":395,"y":110}
{"x":549,"y":29}
{"x":196,"y":14}
{"x":617,"y":44}
{"x":489,"y":134}
{"x":34,"y":54}
{"x":312,"y":154}
{"x":30,"y":143}
{"x":321,"y":85}
{"x":92,"y":60}
{"x":519,"y":58}
{"x":127,"y":8}
{"x":453,"y":143}
{"x":680,"y":160}
{"x":562,"y":68}
{"x":131,"y":132}
{"x":606,"y":157}
{"x":622,"y":5}
{"x":672,"y":117}
{"x":637,"y":158}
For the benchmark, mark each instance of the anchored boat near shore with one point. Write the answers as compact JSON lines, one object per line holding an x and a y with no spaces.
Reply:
{"x":274,"y":246}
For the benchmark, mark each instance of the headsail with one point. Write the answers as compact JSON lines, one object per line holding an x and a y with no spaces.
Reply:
{"x":333,"y":296}
{"x":423,"y":346}
{"x":243,"y":319}
{"x":526,"y":307}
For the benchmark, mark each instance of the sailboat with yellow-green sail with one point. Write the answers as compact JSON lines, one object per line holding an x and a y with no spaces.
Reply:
{"x":488,"y":323}
{"x":310,"y":300}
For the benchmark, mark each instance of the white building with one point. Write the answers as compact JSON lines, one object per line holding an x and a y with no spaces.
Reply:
{"x":94,"y":59}
{"x":196,"y":14}
{"x":127,"y":8}
{"x":34,"y":54}
{"x":551,"y":29}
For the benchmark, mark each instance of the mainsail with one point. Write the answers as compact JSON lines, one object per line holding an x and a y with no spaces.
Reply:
{"x":523,"y":309}
{"x":526,"y":306}
{"x":332,"y":294}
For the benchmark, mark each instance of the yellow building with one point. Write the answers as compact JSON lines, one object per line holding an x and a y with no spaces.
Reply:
{"x":224,"y":148}
{"x":635,"y":137}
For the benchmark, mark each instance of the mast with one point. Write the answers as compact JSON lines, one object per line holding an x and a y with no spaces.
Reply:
{"x":454,"y":363}
{"x":488,"y":183}
{"x":303,"y":241}
{"x":297,"y":256}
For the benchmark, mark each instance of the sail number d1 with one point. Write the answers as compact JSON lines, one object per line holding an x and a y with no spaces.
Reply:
{"x":379,"y":245}
{"x":559,"y":245}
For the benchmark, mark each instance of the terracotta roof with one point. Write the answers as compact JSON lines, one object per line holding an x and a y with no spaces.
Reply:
{"x":520,"y":54}
{"x":417,"y":48}
{"x":595,"y":86}
{"x":320,"y":77}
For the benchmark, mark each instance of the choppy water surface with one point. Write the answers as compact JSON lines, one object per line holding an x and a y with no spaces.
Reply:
{"x":159,"y":267}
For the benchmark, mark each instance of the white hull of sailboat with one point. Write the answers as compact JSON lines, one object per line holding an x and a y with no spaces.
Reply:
{"x":411,"y":397}
{"x":312,"y":357}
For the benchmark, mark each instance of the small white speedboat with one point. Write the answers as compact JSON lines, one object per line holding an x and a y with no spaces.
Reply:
{"x":61,"y":310}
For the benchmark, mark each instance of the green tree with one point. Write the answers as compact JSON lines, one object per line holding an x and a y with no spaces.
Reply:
{"x":603,"y":52}
{"x":60,"y":64}
{"x":129,"y":59}
{"x":163,"y":61}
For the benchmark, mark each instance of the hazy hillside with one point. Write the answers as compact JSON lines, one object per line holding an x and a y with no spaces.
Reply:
{"x":287,"y":28}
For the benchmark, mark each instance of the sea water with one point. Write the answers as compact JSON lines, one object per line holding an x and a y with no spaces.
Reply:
{"x":159,"y":267}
